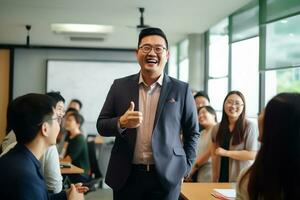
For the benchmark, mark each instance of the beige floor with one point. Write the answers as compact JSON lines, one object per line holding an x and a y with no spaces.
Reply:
{"x":100,"y":194}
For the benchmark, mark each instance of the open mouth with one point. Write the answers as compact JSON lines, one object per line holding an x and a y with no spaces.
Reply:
{"x":151,"y":61}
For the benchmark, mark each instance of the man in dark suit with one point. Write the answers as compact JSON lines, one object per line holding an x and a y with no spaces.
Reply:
{"x":154,"y":120}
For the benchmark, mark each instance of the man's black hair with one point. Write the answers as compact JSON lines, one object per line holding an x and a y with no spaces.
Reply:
{"x":71,"y":110}
{"x":152,"y":31}
{"x":202,"y":94}
{"x":56,"y":96}
{"x":77,"y":116}
{"x":26,"y":114}
{"x":77,"y":101}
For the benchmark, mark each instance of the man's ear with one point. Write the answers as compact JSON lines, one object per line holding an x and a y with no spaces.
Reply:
{"x":45,"y":129}
{"x":136,"y":53}
{"x":168,"y":55}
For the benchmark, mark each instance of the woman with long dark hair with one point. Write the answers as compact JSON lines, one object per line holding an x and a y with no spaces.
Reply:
{"x":234,"y":140}
{"x":275,"y":173}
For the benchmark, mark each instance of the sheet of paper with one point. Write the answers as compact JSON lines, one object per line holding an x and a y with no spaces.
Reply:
{"x":224,"y":193}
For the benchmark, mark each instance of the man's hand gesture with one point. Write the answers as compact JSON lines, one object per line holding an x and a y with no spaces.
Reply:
{"x":131,"y":118}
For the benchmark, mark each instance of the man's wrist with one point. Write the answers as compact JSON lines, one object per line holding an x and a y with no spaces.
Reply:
{"x":121,"y":125}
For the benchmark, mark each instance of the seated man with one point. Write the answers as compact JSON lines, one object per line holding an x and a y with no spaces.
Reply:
{"x":49,"y":161}
{"x":35,"y":124}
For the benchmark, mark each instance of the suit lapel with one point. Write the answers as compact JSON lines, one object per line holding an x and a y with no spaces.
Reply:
{"x":134,"y":96}
{"x":165,"y":89}
{"x":134,"y":89}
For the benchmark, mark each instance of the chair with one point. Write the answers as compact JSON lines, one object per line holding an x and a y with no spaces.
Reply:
{"x":95,"y":170}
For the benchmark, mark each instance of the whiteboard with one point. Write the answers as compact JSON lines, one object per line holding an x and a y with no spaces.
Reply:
{"x":88,"y":81}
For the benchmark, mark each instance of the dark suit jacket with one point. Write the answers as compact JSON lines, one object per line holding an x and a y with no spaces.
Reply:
{"x":21,"y":177}
{"x":176,"y":113}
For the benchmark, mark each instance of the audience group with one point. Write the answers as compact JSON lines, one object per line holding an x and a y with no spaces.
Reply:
{"x":263,"y":159}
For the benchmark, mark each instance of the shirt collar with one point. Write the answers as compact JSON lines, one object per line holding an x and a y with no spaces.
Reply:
{"x":159,"y":80}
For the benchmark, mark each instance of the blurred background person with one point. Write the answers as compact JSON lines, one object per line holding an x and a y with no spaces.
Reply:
{"x":76,"y":147}
{"x":201,"y":171}
{"x":201,"y":99}
{"x":76,"y":104}
{"x":234,"y":140}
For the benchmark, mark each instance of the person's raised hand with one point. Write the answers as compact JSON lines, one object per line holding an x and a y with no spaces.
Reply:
{"x":131,"y":118}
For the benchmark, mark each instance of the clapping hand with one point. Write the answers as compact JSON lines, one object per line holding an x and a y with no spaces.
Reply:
{"x":221,"y":152}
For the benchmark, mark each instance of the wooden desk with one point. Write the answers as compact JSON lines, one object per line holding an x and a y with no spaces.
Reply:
{"x":72,"y":170}
{"x":202,"y":191}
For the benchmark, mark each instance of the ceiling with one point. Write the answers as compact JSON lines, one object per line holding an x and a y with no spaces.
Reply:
{"x":177,"y":18}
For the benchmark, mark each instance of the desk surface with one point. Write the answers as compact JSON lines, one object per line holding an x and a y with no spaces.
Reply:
{"x":72,"y":170}
{"x":196,"y":191}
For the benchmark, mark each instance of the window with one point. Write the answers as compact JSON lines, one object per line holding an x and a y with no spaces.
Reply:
{"x":283,"y":43}
{"x":183,"y":61}
{"x":245,"y":74}
{"x":218,"y":65}
{"x":172,"y":66}
{"x":285,"y":80}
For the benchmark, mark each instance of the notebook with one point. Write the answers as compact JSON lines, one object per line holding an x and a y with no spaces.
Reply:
{"x":224,"y":194}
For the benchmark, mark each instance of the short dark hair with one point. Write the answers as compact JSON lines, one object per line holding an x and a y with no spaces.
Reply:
{"x":78,"y":117}
{"x":209,"y":109}
{"x":202,"y":94}
{"x":56,"y":96}
{"x":152,"y":31}
{"x":77,"y":101}
{"x":69,"y":110}
{"x":26,"y":114}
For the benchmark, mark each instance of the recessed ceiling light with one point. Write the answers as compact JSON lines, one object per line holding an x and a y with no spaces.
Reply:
{"x":291,"y":34}
{"x":284,"y":21}
{"x":81,"y":28}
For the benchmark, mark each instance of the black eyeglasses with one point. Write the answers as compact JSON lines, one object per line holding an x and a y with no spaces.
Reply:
{"x":59,"y":120}
{"x":157,"y":49}
{"x":234,"y":103}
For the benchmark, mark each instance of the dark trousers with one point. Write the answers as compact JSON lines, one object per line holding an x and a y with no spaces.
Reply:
{"x":142,"y":185}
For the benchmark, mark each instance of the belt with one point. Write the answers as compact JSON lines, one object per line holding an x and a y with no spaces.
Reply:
{"x":143,"y":168}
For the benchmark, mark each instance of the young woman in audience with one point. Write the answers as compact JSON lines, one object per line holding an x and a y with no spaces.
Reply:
{"x":275,"y":173}
{"x":234,"y":140}
{"x":202,"y":167}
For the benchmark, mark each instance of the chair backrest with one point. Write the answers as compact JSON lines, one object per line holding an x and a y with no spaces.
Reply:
{"x":95,"y":170}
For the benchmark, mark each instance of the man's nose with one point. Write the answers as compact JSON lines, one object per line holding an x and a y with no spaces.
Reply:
{"x":151,"y":52}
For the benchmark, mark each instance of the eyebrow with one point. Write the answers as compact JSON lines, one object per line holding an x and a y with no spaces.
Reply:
{"x":160,"y":45}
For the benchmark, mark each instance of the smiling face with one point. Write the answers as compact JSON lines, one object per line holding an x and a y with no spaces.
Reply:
{"x":50,"y":128}
{"x":205,"y":118}
{"x":201,"y":101}
{"x":55,"y":128}
{"x":71,"y":124}
{"x":152,"y":63}
{"x":233,"y":106}
{"x":60,"y":109}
